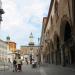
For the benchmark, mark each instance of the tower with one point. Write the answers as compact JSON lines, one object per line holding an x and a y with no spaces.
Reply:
{"x":31,"y":42}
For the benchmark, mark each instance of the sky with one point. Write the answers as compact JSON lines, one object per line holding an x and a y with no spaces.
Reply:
{"x":21,"y":18}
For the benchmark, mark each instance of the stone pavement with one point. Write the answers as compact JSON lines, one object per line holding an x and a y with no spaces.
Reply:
{"x":3,"y":68}
{"x":58,"y":70}
{"x":26,"y":70}
{"x":43,"y":70}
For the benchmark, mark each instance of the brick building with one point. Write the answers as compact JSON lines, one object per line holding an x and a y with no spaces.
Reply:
{"x":11,"y":44}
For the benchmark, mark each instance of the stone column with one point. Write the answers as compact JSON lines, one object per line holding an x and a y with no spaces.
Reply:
{"x":70,"y":56}
{"x":42,"y":60}
{"x":63,"y":55}
{"x":51,"y":57}
{"x":55,"y":56}
{"x":49,"y":53}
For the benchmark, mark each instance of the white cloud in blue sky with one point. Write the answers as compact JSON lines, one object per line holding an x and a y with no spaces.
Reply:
{"x":22,"y":17}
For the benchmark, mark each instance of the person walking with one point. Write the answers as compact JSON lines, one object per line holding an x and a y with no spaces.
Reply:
{"x":26,"y":60}
{"x":14,"y":65}
{"x":19,"y":64}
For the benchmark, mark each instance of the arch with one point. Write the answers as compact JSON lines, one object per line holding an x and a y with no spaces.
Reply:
{"x":65,"y":24}
{"x":66,"y":41}
{"x":67,"y":32}
{"x":51,"y":51}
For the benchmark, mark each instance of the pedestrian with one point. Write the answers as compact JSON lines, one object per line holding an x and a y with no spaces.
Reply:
{"x":34,"y":63}
{"x":19,"y":64}
{"x":26,"y":60}
{"x":39,"y":63}
{"x":14,"y":65}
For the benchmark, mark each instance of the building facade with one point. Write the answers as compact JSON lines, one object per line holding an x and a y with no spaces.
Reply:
{"x":3,"y":47}
{"x":30,"y":51}
{"x":59,"y":33}
{"x":11,"y":45}
{"x":3,"y":51}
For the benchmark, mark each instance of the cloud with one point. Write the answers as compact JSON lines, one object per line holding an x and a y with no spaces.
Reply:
{"x":11,"y":17}
{"x":23,"y":17}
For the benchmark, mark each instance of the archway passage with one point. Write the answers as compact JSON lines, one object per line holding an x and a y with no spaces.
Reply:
{"x":69,"y":51}
{"x":67,"y":32}
{"x":51,"y":52}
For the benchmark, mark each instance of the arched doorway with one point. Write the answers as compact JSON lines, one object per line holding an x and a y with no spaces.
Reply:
{"x":67,"y":32}
{"x":67,"y":50}
{"x":67,"y":37}
{"x":48,"y":53}
{"x":70,"y":47}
